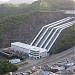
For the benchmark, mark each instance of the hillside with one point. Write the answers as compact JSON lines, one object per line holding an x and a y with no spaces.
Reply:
{"x":40,"y":5}
{"x":24,"y":27}
{"x":22,"y":22}
{"x":12,"y":9}
{"x":51,"y":5}
{"x":67,"y":41}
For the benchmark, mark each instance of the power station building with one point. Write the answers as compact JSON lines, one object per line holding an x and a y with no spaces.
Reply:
{"x":20,"y":47}
{"x":37,"y":52}
{"x":45,"y":39}
{"x":32,"y":51}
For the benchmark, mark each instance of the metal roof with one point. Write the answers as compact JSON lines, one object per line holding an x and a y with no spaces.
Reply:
{"x":19,"y":44}
{"x":34,"y":48}
{"x":26,"y":46}
{"x":14,"y":61}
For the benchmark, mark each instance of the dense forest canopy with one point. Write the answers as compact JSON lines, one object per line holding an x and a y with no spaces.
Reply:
{"x":6,"y":67}
{"x":40,"y":5}
{"x":67,"y":41}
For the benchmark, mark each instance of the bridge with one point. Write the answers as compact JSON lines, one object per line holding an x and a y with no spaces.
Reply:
{"x":48,"y":34}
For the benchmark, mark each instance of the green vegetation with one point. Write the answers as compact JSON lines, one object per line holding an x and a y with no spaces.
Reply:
{"x":40,"y":5}
{"x":10,"y":22}
{"x":67,"y":42}
{"x":12,"y":15}
{"x":6,"y":67}
{"x":58,"y":4}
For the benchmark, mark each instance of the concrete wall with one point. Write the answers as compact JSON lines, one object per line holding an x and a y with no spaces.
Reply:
{"x":43,"y":54}
{"x":19,"y":49}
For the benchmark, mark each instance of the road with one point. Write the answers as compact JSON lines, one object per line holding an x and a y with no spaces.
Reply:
{"x":50,"y":60}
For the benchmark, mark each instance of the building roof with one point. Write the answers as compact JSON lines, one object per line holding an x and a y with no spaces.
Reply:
{"x":38,"y":49}
{"x":19,"y":44}
{"x":14,"y":61}
{"x":71,"y":68}
{"x":34,"y":48}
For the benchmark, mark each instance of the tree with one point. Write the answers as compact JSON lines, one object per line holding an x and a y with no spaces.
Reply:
{"x":6,"y":67}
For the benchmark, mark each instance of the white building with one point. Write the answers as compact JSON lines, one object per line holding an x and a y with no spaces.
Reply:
{"x":37,"y":52}
{"x":20,"y":47}
{"x":32,"y":51}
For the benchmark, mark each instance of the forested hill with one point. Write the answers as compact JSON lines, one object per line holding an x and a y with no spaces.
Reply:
{"x":57,"y":4}
{"x":12,"y":9}
{"x":40,"y":5}
{"x":24,"y":27}
{"x":22,"y":22}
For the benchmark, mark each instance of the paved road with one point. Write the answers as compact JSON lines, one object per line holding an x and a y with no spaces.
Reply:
{"x":50,"y":60}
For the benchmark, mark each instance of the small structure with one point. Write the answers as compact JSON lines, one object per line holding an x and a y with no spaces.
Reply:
{"x":64,"y":72}
{"x":14,"y":61}
{"x":69,"y":11}
{"x":59,"y":68}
